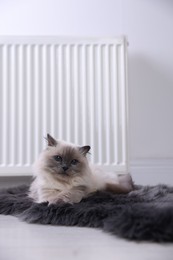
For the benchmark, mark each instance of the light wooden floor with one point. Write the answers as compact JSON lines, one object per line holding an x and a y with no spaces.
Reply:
{"x":22,"y":241}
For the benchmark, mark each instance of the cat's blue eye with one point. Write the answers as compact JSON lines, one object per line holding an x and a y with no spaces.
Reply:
{"x":58,"y":158}
{"x":74,"y":162}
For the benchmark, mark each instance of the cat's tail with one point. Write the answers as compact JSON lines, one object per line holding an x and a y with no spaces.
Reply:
{"x":124,"y":186}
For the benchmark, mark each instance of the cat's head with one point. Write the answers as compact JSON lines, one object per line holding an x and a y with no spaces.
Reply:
{"x":63,"y":160}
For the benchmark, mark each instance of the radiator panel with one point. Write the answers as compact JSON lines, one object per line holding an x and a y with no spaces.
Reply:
{"x":74,"y":89}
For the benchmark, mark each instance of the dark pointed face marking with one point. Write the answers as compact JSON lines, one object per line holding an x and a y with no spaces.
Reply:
{"x":70,"y":156}
{"x":67,"y":162}
{"x":64,"y":162}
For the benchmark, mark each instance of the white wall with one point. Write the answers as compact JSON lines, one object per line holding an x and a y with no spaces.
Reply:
{"x":149,"y":27}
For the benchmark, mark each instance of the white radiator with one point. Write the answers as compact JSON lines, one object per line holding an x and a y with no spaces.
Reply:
{"x":74,"y":89}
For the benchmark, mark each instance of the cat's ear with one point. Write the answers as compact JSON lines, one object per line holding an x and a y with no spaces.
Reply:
{"x":84,"y":149}
{"x":51,"y":141}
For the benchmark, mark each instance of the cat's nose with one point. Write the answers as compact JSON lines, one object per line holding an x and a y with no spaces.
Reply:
{"x":65,"y":168}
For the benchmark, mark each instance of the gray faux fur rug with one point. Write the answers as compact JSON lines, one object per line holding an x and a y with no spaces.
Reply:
{"x":144,"y":214}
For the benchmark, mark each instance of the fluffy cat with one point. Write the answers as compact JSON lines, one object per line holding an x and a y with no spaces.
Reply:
{"x":63,"y":174}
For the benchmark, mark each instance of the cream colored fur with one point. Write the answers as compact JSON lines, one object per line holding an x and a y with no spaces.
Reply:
{"x":79,"y":182}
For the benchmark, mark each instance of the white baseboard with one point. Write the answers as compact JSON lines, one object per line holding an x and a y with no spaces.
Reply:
{"x":152,"y":171}
{"x":143,"y":171}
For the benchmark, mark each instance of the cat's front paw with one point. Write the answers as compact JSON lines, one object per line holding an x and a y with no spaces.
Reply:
{"x":59,"y":200}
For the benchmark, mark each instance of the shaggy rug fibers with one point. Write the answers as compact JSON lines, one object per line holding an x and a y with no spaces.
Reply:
{"x":144,"y":214}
